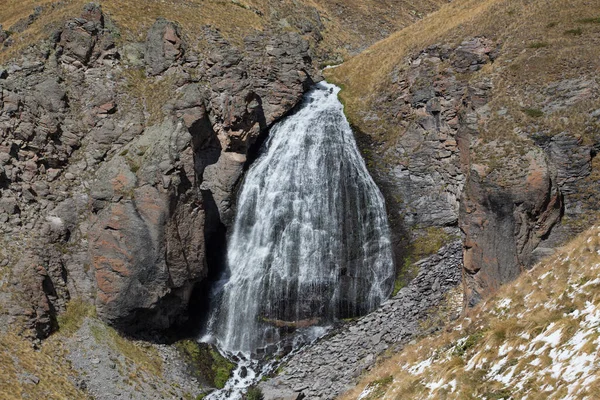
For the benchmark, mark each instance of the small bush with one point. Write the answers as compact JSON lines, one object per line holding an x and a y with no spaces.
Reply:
{"x":533,"y":112}
{"x":471,"y":341}
{"x":551,"y":25}
{"x":254,"y":393}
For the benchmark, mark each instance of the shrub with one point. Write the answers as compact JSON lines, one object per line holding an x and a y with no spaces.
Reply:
{"x":254,"y":393}
{"x":471,"y":341}
{"x":574,"y":32}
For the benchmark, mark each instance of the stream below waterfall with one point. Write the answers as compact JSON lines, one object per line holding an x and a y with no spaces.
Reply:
{"x":310,"y":243}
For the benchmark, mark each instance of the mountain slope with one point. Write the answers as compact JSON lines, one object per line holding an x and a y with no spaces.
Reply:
{"x":538,"y":338}
{"x":339,"y":29}
{"x":489,"y":110}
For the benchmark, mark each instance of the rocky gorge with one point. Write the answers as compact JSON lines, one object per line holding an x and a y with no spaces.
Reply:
{"x":121,"y":159}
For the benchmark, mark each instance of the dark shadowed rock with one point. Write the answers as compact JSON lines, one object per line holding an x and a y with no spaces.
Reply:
{"x":503,"y":224}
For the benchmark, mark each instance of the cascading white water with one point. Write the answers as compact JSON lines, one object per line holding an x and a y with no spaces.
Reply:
{"x":310,"y":242}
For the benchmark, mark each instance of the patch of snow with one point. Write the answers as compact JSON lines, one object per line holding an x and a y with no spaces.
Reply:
{"x":420,"y":367}
{"x":366,"y":392}
{"x":504,"y":303}
{"x":435,"y":385}
{"x":504,"y":350}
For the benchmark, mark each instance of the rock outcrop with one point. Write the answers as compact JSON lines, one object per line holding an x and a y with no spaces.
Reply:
{"x":119,"y":163}
{"x":441,"y":172}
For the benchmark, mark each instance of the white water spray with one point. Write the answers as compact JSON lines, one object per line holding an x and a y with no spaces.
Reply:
{"x":310,"y":243}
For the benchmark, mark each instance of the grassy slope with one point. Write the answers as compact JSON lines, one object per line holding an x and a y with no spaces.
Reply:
{"x":19,"y":360}
{"x":538,"y":338}
{"x":348,"y":26}
{"x":542,"y":41}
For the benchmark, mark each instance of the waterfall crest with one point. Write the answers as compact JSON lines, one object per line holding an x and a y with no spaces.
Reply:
{"x":310,"y":242}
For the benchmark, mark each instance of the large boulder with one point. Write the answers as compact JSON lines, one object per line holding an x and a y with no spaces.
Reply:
{"x":80,"y":35}
{"x":147,"y":245}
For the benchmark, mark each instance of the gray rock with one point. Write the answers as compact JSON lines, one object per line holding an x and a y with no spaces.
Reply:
{"x":51,"y":95}
{"x":164,"y":46}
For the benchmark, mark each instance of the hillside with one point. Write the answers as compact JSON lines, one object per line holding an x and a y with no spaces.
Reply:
{"x":337,"y":29}
{"x":489,"y":111}
{"x":537,"y":338}
{"x":126,"y":132}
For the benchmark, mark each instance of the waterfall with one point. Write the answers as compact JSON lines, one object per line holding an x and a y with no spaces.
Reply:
{"x":310,"y":242}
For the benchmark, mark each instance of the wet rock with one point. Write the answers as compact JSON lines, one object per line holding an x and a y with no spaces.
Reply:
{"x":394,"y":324}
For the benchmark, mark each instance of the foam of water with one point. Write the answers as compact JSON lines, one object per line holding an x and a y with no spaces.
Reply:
{"x":310,"y":243}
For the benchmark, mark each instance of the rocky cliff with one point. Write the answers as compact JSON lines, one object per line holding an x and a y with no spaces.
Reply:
{"x":126,"y":129}
{"x":475,"y":132}
{"x":110,"y":197}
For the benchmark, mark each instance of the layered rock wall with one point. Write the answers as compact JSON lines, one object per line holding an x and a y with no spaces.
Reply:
{"x":119,"y":163}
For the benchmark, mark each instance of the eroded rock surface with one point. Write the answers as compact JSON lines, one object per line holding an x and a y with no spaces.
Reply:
{"x":119,"y":197}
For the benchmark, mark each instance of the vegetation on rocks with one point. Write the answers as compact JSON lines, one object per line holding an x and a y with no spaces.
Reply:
{"x":537,"y":338}
{"x":206,"y":362}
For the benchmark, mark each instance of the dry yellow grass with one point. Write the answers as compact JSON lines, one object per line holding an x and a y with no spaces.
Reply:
{"x":18,"y":358}
{"x":351,"y":23}
{"x":519,"y":25}
{"x":538,"y":337}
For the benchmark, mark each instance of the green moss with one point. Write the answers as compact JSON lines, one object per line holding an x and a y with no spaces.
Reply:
{"x":254,"y":393}
{"x":428,"y":242}
{"x":134,"y":165}
{"x":206,"y":362}
{"x":222,"y":368}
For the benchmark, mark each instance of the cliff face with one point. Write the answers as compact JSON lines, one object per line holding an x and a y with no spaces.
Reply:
{"x":473,"y":126}
{"x":125,"y":134}
{"x":116,"y":200}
